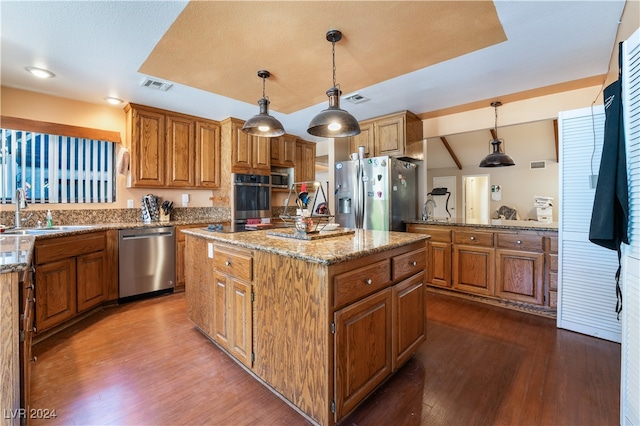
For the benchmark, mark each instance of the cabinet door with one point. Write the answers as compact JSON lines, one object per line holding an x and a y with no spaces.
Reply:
{"x":362,"y":349}
{"x":283,"y":151}
{"x":148,"y":149}
{"x":389,"y":135}
{"x":519,"y":275}
{"x":239,"y":320}
{"x":55,"y":293}
{"x":473,"y":269}
{"x":180,"y":142}
{"x":305,"y":161}
{"x":208,"y":158}
{"x":410,"y":316}
{"x":241,"y":150}
{"x":439,"y":264}
{"x":220,"y":329}
{"x":91,"y":280}
{"x":261,"y":157}
{"x":365,"y":138}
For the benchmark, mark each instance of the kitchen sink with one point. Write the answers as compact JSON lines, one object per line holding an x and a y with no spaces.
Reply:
{"x":53,"y":229}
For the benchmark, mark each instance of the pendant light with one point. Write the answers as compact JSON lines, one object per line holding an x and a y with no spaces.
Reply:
{"x":334,"y":122}
{"x":497,"y":158}
{"x":263,"y":124}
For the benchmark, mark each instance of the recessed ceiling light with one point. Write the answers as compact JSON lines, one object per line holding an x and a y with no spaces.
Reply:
{"x":40,"y":72}
{"x":112,"y":100}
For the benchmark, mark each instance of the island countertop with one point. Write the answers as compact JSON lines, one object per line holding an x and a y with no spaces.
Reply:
{"x":15,"y":252}
{"x":325,"y":251}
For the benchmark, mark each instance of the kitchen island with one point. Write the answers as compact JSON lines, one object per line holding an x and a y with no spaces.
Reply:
{"x":322,"y":323}
{"x":513,"y":263}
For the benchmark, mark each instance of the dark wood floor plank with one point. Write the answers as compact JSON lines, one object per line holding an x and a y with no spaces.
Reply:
{"x":144,"y":363}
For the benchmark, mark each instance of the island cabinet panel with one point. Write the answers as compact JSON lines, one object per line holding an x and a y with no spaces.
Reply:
{"x":199,"y":274}
{"x":361,"y":282}
{"x":410,"y":313}
{"x":220,"y":329}
{"x":293,"y":343}
{"x":363,"y":349}
{"x":408,"y":264}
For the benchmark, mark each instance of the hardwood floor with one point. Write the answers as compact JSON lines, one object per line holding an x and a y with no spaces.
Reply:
{"x":144,"y":363}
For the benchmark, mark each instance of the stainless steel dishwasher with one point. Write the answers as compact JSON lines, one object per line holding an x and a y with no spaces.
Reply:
{"x":146,"y":262}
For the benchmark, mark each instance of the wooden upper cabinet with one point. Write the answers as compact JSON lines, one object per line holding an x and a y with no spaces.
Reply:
{"x":305,"y":169}
{"x":207,"y":154}
{"x":283,"y":151}
{"x":172,"y":150}
{"x":180,"y":151}
{"x":249,"y":154}
{"x":365,"y":138}
{"x":146,"y":131}
{"x":396,"y":135}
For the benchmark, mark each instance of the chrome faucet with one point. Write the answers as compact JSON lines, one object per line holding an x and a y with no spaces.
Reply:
{"x":21,"y":203}
{"x":427,"y":210}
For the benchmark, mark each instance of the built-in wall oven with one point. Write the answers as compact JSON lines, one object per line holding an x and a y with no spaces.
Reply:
{"x":250,"y":199}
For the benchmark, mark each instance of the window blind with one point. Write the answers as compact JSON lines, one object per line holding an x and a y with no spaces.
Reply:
{"x":56,"y":169}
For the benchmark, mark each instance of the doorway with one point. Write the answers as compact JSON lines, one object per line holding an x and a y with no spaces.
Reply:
{"x":442,"y":204}
{"x":475,"y":198}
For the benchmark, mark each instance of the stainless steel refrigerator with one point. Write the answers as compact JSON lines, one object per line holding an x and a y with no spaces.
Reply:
{"x":376,"y":193}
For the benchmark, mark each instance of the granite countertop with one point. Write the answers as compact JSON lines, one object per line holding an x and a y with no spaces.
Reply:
{"x":492,"y":223}
{"x":16,"y":250}
{"x":326,"y":251}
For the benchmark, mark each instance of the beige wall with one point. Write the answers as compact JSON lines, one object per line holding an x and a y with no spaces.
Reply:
{"x":35,"y":106}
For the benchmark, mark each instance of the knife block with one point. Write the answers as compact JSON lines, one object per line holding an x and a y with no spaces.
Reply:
{"x":164,"y":217}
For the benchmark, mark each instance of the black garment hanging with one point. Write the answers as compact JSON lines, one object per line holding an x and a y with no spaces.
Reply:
{"x":610,"y":214}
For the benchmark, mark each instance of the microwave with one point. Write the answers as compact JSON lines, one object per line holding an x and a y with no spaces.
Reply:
{"x":279,"y":180}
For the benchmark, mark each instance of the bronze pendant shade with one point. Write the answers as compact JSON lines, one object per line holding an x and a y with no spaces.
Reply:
{"x":263,"y":124}
{"x":334,"y":122}
{"x":497,"y":158}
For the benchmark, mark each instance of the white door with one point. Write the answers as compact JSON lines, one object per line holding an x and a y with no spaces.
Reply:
{"x":440,"y":211}
{"x":475,"y":198}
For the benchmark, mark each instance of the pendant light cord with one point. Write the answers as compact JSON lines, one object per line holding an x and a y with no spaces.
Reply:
{"x":496,"y":122}
{"x":263,"y":84}
{"x":333,"y":55}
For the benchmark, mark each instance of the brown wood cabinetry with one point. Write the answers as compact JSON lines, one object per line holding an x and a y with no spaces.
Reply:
{"x":232,"y":309}
{"x":365,"y":138}
{"x":305,"y":168}
{"x":324,"y":336}
{"x":71,"y":277}
{"x":397,"y":135}
{"x":283,"y":151}
{"x":510,"y":264}
{"x":171,"y":150}
{"x":249,"y":154}
{"x":27,"y":304}
{"x":180,"y":255}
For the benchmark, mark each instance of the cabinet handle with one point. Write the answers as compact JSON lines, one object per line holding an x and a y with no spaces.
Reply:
{"x":368,"y":281}
{"x":35,"y":330}
{"x":518,"y":242}
{"x":31,"y":287}
{"x":414,"y":263}
{"x":227,"y":263}
{"x":473,"y":238}
{"x":34,"y":358}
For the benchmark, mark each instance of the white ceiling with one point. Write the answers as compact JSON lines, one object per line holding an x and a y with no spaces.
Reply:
{"x":96,"y":49}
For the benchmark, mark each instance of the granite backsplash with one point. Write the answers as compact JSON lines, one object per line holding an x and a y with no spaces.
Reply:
{"x":104,"y":216}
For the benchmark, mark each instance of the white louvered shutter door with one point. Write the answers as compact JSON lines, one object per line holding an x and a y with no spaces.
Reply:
{"x":630,"y":381}
{"x":586,"y":272}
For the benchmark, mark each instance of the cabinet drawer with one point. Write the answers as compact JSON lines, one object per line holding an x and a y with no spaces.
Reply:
{"x":553,"y":244}
{"x":553,"y":262}
{"x":233,"y":262}
{"x":439,"y":235}
{"x":473,"y":238}
{"x":408,"y":264}
{"x":520,"y":242}
{"x":361,"y":282}
{"x":54,"y":249}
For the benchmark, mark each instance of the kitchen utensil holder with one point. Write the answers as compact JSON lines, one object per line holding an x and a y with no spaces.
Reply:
{"x":313,"y":222}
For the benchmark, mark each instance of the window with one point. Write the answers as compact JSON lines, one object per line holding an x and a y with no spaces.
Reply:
{"x":56,"y":169}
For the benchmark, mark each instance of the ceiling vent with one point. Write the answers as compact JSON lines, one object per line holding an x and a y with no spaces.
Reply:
{"x":356,"y":98}
{"x":538,"y":164}
{"x":156,"y":84}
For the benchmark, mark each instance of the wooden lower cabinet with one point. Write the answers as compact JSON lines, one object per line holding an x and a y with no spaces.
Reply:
{"x":510,"y":264}
{"x":363,"y":349}
{"x":71,"y":277}
{"x":180,"y":255}
{"x":322,"y":336}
